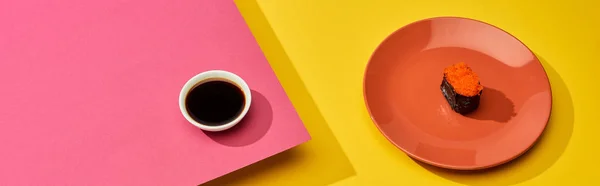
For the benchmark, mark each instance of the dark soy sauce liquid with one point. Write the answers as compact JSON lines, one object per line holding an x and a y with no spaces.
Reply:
{"x":215,"y":103}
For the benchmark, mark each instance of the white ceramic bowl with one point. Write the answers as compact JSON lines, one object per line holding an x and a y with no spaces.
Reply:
{"x":208,"y":76}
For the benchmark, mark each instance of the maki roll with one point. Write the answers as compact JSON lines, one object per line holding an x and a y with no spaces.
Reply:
{"x":461,"y":88}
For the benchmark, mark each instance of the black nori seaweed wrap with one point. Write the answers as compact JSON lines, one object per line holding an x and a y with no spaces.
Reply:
{"x":459,"y":103}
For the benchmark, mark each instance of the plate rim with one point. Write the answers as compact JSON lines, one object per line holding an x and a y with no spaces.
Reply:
{"x":433,"y":163}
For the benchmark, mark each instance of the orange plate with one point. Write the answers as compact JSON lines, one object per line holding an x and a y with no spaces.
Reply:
{"x":403,"y":96}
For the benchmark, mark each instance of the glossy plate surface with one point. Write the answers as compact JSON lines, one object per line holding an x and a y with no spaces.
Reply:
{"x":403,"y":96}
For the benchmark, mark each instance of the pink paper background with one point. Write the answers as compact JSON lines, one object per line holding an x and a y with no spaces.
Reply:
{"x":89,"y":93}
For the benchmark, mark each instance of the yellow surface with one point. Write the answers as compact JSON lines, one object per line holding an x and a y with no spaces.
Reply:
{"x":319,"y":49}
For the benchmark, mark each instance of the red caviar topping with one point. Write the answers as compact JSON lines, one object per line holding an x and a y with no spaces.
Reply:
{"x":463,"y":79}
